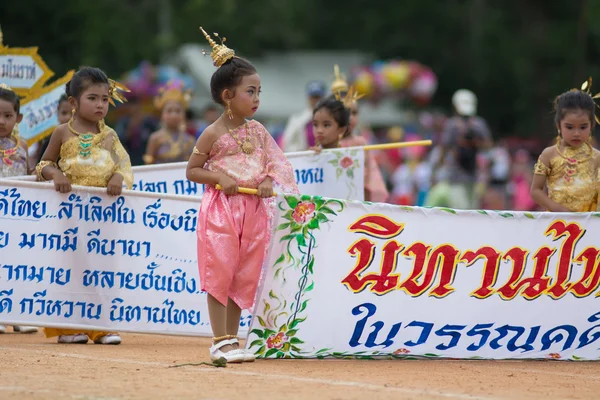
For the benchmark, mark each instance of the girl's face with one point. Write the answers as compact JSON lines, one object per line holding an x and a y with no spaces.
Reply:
{"x":353,"y":117}
{"x":173,"y":115}
{"x":326,"y":129}
{"x":64,"y":112}
{"x":575,"y":128}
{"x":93,"y":103}
{"x":245,"y":98}
{"x":8,"y":118}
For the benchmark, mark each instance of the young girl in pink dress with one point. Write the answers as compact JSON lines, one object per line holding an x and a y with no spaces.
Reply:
{"x":375,"y":189}
{"x":233,"y":228}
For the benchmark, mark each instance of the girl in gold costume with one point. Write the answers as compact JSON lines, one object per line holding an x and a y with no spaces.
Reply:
{"x":88,"y":153}
{"x":171,"y":143}
{"x":570,"y":169}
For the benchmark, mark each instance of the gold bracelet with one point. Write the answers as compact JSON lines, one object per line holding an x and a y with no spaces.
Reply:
{"x":196,"y":151}
{"x":40,"y":167}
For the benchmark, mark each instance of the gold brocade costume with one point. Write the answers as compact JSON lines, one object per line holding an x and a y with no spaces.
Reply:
{"x":573,"y":178}
{"x":108,"y":157}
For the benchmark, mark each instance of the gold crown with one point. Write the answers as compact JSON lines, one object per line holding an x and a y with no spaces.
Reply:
{"x":342,"y":92}
{"x":170,"y":92}
{"x":339,"y":83}
{"x":587,"y":88}
{"x":349,"y":98}
{"x":114,"y":89}
{"x":5,"y":86}
{"x":220,"y":53}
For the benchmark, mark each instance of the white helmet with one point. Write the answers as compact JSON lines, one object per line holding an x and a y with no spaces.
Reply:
{"x":465,"y":102}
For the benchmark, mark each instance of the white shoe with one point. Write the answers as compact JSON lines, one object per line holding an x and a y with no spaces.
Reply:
{"x":25,"y":329}
{"x":248,"y":354}
{"x":80,"y":338}
{"x":233,"y":356}
{"x":2,"y":329}
{"x":111,"y":338}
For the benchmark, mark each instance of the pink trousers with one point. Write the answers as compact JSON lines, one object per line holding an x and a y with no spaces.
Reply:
{"x":232,"y":239}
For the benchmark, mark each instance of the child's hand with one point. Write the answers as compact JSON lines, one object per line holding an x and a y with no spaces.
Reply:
{"x":317,"y":149}
{"x":61,"y":183}
{"x":265,"y":189}
{"x":229,"y":185}
{"x":115,"y":185}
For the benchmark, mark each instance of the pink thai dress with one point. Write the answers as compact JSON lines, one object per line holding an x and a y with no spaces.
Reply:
{"x":234,"y":231}
{"x":375,"y":189}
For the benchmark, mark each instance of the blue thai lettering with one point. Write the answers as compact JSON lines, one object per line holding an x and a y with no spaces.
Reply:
{"x":449,"y":330}
{"x":556,"y":335}
{"x":66,"y":207}
{"x":116,"y":306}
{"x":27,"y":240}
{"x":41,"y":301}
{"x":93,"y":244}
{"x":149,"y":217}
{"x":70,"y":243}
{"x":484,"y":331}
{"x":35,"y":274}
{"x":6,"y":301}
{"x":512,"y":343}
{"x":426,"y":329}
{"x":185,"y":187}
{"x":377,"y":326}
{"x":91,"y":278}
{"x":585,"y":339}
{"x":4,"y":236}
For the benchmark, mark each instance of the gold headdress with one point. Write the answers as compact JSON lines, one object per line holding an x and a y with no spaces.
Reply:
{"x":587,"y":88}
{"x":171,"y":92}
{"x":5,"y":86}
{"x":220,"y":53}
{"x":342,"y":92}
{"x":339,"y":83}
{"x":114,"y":89}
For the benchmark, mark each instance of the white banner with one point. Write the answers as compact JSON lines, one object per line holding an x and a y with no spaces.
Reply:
{"x":85,"y":260}
{"x":335,"y":173}
{"x":349,"y":279}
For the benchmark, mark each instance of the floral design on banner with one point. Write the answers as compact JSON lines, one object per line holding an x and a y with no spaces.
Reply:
{"x":345,"y":165}
{"x":278,"y":319}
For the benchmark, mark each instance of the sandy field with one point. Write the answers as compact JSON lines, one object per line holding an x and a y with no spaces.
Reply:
{"x":148,"y":367}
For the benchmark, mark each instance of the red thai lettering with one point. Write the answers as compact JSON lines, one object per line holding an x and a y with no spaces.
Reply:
{"x":378,"y":226}
{"x":591,"y":273}
{"x":538,"y":283}
{"x":573,"y":233}
{"x":419,"y":252}
{"x":490,"y":269}
{"x":518,"y":256}
{"x":382,"y":282}
{"x":365,"y":250}
{"x":446,"y":256}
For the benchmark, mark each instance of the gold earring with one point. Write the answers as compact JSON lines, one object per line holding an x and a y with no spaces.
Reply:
{"x":182,"y":127}
{"x":101,"y":125}
{"x":15,"y":131}
{"x":72,"y":115}
{"x":228,"y":111}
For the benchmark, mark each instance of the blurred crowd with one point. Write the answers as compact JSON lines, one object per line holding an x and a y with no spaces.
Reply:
{"x":467,"y":167}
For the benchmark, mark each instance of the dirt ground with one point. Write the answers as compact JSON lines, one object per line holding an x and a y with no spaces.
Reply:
{"x":37,"y":368}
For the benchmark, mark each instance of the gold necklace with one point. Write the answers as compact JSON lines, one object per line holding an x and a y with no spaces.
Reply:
{"x":176,"y":145}
{"x":572,"y":160}
{"x":246,"y":146}
{"x":6,"y":153}
{"x":85,"y":140}
{"x":571,"y":167}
